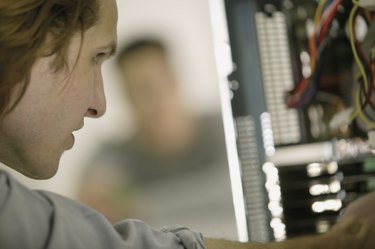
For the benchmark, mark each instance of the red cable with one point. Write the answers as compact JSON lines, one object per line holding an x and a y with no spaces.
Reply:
{"x":328,"y":21}
{"x":296,"y":94}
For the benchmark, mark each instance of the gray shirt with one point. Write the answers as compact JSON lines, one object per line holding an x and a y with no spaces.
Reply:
{"x":38,"y":219}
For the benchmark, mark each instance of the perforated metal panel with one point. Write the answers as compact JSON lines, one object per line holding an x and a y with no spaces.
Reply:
{"x":253,"y":180}
{"x":277,"y":75}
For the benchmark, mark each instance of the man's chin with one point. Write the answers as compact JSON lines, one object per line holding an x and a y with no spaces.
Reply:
{"x":39,"y":171}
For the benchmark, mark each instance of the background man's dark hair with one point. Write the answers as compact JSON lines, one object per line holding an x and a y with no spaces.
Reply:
{"x":138,"y":45}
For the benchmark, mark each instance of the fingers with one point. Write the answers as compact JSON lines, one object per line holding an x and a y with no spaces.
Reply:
{"x":357,"y":223}
{"x":362,"y":207}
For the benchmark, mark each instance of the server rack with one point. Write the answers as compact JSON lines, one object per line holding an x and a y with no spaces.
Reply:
{"x":287,"y":191}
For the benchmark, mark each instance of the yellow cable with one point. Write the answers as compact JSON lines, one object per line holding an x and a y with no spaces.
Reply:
{"x":317,"y":18}
{"x":360,"y":112}
{"x":353,"y":116}
{"x":318,"y":12}
{"x":358,"y":103}
{"x":352,"y":43}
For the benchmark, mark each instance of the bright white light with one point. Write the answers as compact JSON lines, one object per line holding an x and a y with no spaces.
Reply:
{"x":275,"y":208}
{"x":332,"y":168}
{"x":271,"y":171}
{"x":327,"y":205}
{"x":278,"y":228}
{"x":322,"y":226}
{"x":335,"y":187}
{"x":319,"y":189}
{"x":361,"y":28}
{"x":272,"y":184}
{"x":305,"y":60}
{"x":305,"y":57}
{"x":309,"y":27}
{"x":275,"y":222}
{"x":275,"y":194}
{"x":314,"y":169}
{"x":268,"y":139}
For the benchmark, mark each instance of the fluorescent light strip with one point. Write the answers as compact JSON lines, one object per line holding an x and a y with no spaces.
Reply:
{"x":224,"y":67}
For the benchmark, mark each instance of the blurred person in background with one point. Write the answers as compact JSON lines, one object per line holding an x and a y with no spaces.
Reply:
{"x":174,"y":167}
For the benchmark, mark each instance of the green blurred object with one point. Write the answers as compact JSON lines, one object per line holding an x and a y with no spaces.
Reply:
{"x":369,"y":167}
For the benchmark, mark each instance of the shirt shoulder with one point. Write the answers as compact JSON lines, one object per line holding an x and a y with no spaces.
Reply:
{"x":37,"y":219}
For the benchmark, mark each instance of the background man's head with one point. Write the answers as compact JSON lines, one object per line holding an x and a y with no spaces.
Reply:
{"x":147,"y":75}
{"x":151,"y":85}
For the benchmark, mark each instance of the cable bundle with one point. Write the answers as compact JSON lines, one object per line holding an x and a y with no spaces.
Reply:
{"x":365,"y":89}
{"x":318,"y":41}
{"x":324,"y":31}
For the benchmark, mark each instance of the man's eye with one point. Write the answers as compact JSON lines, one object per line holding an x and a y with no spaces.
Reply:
{"x":100,"y":57}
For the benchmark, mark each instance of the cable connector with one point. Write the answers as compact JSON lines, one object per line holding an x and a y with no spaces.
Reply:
{"x":367,"y":4}
{"x":340,"y":119}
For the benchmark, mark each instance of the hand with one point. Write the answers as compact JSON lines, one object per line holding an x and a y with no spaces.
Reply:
{"x":355,"y":230}
{"x":357,"y":224}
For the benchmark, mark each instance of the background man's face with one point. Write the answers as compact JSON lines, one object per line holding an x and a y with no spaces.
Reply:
{"x":153,"y":91}
{"x":34,"y":136}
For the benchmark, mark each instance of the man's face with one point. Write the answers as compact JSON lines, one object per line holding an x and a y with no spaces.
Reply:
{"x":36,"y":133}
{"x":152,"y":89}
